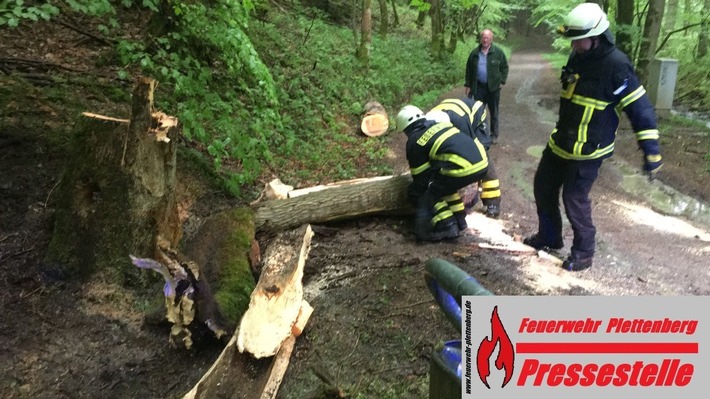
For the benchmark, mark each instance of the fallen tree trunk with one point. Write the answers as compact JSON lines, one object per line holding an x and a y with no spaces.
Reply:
{"x":379,"y":195}
{"x":278,"y":296}
{"x":277,"y":315}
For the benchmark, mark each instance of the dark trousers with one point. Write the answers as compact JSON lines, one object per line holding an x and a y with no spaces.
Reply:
{"x":491,"y":186}
{"x":491,"y":99}
{"x":576,"y":179}
{"x":441,"y":201}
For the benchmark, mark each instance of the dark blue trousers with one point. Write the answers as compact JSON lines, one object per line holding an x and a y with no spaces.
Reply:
{"x":576,"y":179}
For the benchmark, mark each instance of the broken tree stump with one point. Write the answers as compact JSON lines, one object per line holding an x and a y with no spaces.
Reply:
{"x":378,"y":195}
{"x":117,"y":196}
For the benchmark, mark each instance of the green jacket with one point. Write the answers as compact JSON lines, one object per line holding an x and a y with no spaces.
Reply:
{"x":497,"y":68}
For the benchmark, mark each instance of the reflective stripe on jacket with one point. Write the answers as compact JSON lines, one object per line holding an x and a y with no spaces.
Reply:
{"x":469,"y":116}
{"x":596,"y":87}
{"x":441,"y":148}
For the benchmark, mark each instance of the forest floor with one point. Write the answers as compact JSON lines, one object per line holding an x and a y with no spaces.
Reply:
{"x":375,"y":324}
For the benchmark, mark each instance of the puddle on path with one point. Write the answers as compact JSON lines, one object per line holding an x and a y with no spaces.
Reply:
{"x":666,"y":199}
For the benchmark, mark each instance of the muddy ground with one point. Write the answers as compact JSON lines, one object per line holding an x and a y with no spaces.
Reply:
{"x":375,"y":324}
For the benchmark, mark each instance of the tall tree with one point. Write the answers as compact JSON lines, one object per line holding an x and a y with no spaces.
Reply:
{"x":363,"y":52}
{"x":704,"y":32}
{"x":671,"y":15}
{"x":394,"y":13}
{"x":624,"y":26}
{"x":437,"y":27}
{"x":651,"y":30}
{"x":384,"y":19}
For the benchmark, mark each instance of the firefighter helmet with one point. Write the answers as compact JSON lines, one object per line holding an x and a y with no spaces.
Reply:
{"x":585,"y":20}
{"x":408,"y":115}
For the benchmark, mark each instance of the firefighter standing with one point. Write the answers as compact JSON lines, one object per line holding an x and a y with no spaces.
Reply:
{"x":597,"y":82}
{"x":442,"y":161}
{"x":469,"y":116}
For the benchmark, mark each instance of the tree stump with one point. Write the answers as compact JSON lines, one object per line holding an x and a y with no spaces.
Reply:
{"x":117,"y":195}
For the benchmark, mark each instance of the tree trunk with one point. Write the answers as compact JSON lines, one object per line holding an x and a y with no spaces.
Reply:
{"x":437,"y":29}
{"x":421,"y":18}
{"x":277,"y":315}
{"x":689,"y":12}
{"x":117,"y":194}
{"x":278,"y":297}
{"x":384,"y":19}
{"x":395,"y":16}
{"x":652,"y":28}
{"x":363,"y":53}
{"x":703,"y":35}
{"x":379,"y":196}
{"x":671,"y":15}
{"x":625,"y":25}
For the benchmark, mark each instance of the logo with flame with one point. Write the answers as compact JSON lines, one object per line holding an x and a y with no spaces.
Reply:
{"x":506,"y":353}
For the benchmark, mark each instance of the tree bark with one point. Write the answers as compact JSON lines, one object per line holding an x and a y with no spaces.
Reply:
{"x":437,"y":29}
{"x":363,"y":52}
{"x":703,"y":41}
{"x":625,"y":25}
{"x":395,"y":16}
{"x":384,"y":18}
{"x":671,"y":15}
{"x":117,"y":195}
{"x":652,"y":28}
{"x":380,"y":196}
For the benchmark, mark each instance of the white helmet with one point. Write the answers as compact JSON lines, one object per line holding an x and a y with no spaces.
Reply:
{"x":585,"y":20}
{"x":438,"y":116}
{"x":408,"y":115}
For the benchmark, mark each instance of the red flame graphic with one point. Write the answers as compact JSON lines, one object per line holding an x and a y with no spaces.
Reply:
{"x":506,"y":353}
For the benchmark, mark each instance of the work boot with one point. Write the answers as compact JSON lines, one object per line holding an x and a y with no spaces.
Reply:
{"x":575,"y":264}
{"x":493,"y":211}
{"x":422,"y":218}
{"x":537,"y":242}
{"x":444,"y":230}
{"x":461,"y":220}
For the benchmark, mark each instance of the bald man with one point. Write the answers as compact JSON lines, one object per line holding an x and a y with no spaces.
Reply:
{"x":486,"y":71}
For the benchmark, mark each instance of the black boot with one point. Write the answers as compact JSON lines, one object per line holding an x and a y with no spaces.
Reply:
{"x":461,"y":220}
{"x":445,"y":230}
{"x":422,"y":218}
{"x":493,"y":211}
{"x":536,"y":241}
{"x":575,"y":264}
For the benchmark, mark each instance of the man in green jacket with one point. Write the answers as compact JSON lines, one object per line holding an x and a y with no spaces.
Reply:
{"x":486,"y":71}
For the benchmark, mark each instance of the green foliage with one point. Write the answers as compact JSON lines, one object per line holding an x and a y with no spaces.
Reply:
{"x":223,"y":93}
{"x":557,"y":60}
{"x":14,"y":12}
{"x":323,"y":89}
{"x":280,"y":97}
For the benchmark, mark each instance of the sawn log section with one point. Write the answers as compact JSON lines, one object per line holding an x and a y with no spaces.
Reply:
{"x":362,"y":197}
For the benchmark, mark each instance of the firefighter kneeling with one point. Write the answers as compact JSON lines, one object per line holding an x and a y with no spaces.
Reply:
{"x":669,"y":373}
{"x":442,"y":161}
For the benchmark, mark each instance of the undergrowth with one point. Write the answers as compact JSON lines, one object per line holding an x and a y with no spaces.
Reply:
{"x":323,"y":89}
